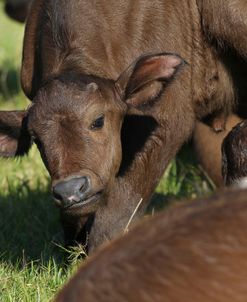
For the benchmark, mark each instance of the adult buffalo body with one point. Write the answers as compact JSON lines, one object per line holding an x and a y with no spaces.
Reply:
{"x":112,"y":103}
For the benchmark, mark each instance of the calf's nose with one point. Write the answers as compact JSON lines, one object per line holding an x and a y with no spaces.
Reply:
{"x":71,"y":191}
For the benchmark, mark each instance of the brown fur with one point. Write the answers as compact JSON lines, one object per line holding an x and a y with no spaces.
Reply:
{"x":207,"y":144}
{"x":195,"y":252}
{"x":72,"y":42}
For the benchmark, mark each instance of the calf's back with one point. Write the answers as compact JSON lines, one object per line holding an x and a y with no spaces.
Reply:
{"x":101,"y":38}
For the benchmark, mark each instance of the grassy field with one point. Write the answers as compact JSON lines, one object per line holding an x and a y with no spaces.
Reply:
{"x":32,"y":266}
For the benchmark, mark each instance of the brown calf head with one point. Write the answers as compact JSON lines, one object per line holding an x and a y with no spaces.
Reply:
{"x":76,"y":120}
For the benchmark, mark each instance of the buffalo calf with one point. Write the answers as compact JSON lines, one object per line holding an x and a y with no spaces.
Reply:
{"x":113,"y":99}
{"x":194,"y":252}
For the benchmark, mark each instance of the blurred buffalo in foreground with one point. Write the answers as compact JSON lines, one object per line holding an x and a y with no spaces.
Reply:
{"x":193,"y":252}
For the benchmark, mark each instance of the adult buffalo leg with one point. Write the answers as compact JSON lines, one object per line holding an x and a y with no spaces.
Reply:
{"x":224,"y":23}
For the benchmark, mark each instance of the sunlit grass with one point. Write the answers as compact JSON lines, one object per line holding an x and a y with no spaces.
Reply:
{"x":32,"y":282}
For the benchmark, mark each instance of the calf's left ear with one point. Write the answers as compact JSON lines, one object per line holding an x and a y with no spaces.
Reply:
{"x":14,"y":137}
{"x":146,"y":78}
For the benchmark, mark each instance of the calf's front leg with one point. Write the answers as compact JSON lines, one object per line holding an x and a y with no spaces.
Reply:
{"x":175,"y":120}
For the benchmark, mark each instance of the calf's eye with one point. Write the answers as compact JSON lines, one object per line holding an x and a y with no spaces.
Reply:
{"x":98,"y":123}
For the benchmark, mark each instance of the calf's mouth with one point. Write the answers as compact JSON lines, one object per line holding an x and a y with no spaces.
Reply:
{"x":74,"y":204}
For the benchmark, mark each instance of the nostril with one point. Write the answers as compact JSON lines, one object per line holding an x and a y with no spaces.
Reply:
{"x":82,"y":188}
{"x":83,"y":185}
{"x":56,"y":195}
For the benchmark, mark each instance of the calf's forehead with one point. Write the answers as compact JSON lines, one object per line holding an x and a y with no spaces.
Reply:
{"x":72,"y":100}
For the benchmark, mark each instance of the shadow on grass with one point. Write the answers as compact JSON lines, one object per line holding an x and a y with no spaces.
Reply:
{"x":30,"y":229}
{"x":158,"y":202}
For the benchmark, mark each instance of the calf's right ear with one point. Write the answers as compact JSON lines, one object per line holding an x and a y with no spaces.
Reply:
{"x":14,"y":137}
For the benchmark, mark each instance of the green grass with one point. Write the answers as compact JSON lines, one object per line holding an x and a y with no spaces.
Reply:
{"x":11,"y":34}
{"x":32,"y":266}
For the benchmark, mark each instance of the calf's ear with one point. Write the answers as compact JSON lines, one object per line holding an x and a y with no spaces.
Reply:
{"x":146,"y":78}
{"x":14,"y":137}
